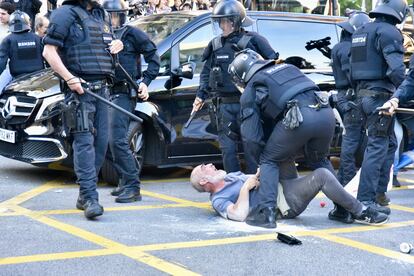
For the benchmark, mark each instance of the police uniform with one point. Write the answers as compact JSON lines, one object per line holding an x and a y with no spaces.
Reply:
{"x":24,"y":50}
{"x":349,"y":108}
{"x":82,"y":38}
{"x":271,"y":93}
{"x":31,"y":7}
{"x":135,"y":43}
{"x":214,"y":79}
{"x":377,"y":68}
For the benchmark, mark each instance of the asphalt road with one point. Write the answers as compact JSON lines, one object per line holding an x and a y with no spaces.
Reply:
{"x":174,"y":231}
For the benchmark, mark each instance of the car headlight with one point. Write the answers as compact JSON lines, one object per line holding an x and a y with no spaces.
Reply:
{"x":51,"y":106}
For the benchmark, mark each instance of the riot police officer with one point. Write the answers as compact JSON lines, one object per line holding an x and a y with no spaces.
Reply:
{"x":31,"y":7}
{"x":377,"y":68}
{"x":348,"y":106}
{"x":230,"y":17}
{"x":78,"y":47}
{"x":136,"y":43}
{"x":302,"y":120}
{"x":21,"y":47}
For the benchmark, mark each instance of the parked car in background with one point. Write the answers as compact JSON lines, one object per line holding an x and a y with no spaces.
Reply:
{"x":31,"y":107}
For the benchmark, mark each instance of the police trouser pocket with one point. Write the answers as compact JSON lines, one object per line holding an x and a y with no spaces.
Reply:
{"x":383,"y":126}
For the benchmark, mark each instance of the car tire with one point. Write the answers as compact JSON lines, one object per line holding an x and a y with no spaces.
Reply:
{"x":137,"y":145}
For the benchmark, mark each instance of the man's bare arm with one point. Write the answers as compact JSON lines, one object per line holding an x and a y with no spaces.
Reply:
{"x":240,"y":209}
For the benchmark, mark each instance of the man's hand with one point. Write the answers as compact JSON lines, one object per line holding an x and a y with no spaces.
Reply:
{"x":252,"y":182}
{"x":143,"y":91}
{"x":197,"y":104}
{"x":75,"y":84}
{"x":116,"y":46}
{"x":389,"y":107}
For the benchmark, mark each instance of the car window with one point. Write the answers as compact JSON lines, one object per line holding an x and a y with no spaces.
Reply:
{"x":192,"y":47}
{"x":289,"y":39}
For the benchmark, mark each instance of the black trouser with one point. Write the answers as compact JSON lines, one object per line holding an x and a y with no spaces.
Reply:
{"x":313,"y":136}
{"x":379,"y":153}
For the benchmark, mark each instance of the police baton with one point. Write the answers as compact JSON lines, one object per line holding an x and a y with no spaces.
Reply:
{"x":398,"y":110}
{"x":117,"y":107}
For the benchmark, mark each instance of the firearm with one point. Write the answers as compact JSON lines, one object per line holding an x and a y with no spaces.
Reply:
{"x":120,"y":109}
{"x":321,"y":45}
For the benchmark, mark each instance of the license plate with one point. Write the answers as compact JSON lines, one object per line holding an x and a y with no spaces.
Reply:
{"x":7,"y":135}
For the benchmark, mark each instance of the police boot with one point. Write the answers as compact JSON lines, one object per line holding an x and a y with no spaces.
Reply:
{"x":339,"y":213}
{"x":118,"y":190}
{"x":91,"y":207}
{"x":129,"y":195}
{"x":262,"y":217}
{"x":382,"y":199}
{"x":395,"y":182}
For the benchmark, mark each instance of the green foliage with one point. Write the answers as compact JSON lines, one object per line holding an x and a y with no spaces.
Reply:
{"x":355,"y":5}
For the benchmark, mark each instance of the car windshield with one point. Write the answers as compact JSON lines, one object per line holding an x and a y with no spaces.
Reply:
{"x":160,"y":26}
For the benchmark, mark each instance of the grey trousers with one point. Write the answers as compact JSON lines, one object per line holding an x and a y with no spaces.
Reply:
{"x":300,"y":191}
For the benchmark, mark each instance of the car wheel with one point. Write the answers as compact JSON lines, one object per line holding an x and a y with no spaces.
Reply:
{"x":136,"y":144}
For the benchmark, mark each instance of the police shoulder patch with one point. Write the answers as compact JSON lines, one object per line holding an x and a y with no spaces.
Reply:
{"x":359,"y":40}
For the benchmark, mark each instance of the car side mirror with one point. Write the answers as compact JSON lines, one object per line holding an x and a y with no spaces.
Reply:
{"x":186,"y":70}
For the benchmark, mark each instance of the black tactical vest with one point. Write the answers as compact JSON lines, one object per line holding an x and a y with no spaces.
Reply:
{"x":25,"y":53}
{"x":367,"y":63}
{"x":284,"y":82}
{"x":223,"y":55}
{"x":341,"y":66}
{"x":90,"y":56}
{"x":128,"y":56}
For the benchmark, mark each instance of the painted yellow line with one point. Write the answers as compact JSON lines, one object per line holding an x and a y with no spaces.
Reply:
{"x":32,"y":193}
{"x":56,"y":256}
{"x":407,"y":180}
{"x":107,"y":209}
{"x":177,"y":200}
{"x":369,"y":248}
{"x":167,"y":267}
{"x":401,"y":208}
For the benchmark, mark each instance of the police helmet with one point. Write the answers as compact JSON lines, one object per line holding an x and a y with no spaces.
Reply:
{"x":232,"y":10}
{"x":19,"y":22}
{"x":356,"y":20}
{"x":397,"y":9}
{"x":245,"y":64}
{"x":117,"y":8}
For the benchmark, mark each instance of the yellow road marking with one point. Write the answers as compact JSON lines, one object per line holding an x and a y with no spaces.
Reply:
{"x":401,"y":208}
{"x":370,"y":248}
{"x":56,"y":256}
{"x":107,"y":209}
{"x":192,"y":244}
{"x":173,"y":269}
{"x":32,"y":193}
{"x":202,"y":205}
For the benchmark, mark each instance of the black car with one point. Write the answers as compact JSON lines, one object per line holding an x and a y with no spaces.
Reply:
{"x":31,"y":107}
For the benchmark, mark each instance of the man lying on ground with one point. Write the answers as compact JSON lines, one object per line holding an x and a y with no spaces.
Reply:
{"x":232,"y":194}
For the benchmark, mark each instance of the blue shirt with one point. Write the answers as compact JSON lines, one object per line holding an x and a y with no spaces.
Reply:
{"x":229,"y":194}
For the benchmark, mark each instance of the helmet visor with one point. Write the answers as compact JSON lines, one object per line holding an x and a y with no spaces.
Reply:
{"x":118,"y":18}
{"x":226,"y":25}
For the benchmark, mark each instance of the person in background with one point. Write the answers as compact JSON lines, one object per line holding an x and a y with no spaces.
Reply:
{"x":41,"y":25}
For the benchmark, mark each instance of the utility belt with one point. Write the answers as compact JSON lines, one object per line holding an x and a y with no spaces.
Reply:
{"x":373,"y":93}
{"x":292,"y":116}
{"x":92,"y":85}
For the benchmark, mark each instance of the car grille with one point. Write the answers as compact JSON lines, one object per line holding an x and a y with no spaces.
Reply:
{"x":17,"y":109}
{"x":32,"y":151}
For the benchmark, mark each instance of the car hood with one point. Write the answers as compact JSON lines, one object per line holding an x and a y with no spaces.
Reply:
{"x":38,"y":84}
